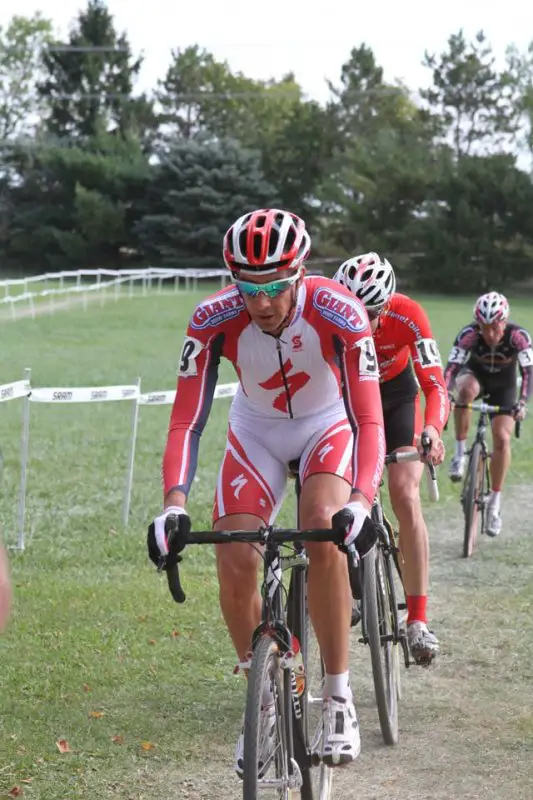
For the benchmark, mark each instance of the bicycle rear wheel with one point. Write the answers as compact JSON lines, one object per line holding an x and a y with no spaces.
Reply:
{"x":279,"y":775}
{"x":471,"y":497}
{"x":379,"y":626}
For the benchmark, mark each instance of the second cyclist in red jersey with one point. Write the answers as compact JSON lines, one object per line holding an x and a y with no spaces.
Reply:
{"x":408,"y":358}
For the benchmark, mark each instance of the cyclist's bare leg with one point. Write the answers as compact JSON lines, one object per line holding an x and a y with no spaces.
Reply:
{"x":329,"y":594}
{"x":404,"y":482}
{"x":237,"y":566}
{"x":502,"y":429}
{"x":468,"y":389}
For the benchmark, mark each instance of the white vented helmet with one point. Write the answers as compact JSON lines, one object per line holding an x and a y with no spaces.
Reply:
{"x":369,"y":278}
{"x":491,"y":307}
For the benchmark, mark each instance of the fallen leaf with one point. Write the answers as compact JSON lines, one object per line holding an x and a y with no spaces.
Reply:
{"x":96,"y":714}
{"x":16,"y":791}
{"x":112,"y":532}
{"x":175,"y":633}
{"x":143,"y":618}
{"x":147,"y":746}
{"x":86,"y":687}
{"x":151,"y":641}
{"x":117,"y":739}
{"x":63,"y":746}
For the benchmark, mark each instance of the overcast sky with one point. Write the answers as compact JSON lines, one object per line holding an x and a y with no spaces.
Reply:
{"x":312,"y":38}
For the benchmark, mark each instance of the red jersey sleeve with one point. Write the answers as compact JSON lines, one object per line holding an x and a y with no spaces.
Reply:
{"x":362,"y":398}
{"x":197,"y":378}
{"x":428,"y":367}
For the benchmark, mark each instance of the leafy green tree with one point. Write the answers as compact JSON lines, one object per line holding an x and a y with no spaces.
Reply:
{"x":384,"y":166}
{"x":480,"y":234}
{"x":68,"y":207}
{"x":21,"y":43}
{"x":478,"y":104}
{"x":90,"y":78}
{"x":199,"y":189}
{"x":202,"y":97}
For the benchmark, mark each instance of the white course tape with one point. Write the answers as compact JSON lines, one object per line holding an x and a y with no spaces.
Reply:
{"x":157,"y":398}
{"x":167,"y":398}
{"x":10,"y":391}
{"x":84,"y":394}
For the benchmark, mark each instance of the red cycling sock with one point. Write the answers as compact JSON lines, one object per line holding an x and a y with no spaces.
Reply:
{"x":416,"y":608}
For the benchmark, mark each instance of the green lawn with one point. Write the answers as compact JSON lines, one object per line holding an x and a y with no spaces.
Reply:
{"x":97,"y":654}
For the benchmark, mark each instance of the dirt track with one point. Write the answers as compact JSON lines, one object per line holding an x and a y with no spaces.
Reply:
{"x":466,"y":725}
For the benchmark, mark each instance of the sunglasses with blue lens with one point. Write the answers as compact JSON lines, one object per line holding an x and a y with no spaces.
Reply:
{"x":271,"y":290}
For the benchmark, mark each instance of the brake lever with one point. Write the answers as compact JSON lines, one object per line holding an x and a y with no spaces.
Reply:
{"x":177,"y":529}
{"x":433,"y":488}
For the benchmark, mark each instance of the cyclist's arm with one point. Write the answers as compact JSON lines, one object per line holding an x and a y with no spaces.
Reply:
{"x":197,"y":378}
{"x":522,"y":341}
{"x":362,"y":398}
{"x":459,"y":355}
{"x":428,"y":368}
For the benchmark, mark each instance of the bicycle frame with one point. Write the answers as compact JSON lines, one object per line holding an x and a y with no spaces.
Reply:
{"x":480,"y":438}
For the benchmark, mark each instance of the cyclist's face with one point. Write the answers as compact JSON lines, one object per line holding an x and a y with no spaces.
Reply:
{"x":492,"y":332}
{"x":269,"y":313}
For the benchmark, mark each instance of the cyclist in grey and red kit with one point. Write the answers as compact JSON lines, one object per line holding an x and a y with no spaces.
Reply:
{"x":483,"y":362}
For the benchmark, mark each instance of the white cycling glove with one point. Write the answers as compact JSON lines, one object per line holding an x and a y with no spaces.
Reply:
{"x":359,"y":514}
{"x":157,"y":538}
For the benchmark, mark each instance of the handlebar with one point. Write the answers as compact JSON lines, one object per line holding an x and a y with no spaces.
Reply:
{"x":179,"y":535}
{"x":486,"y":408}
{"x":414,"y":455}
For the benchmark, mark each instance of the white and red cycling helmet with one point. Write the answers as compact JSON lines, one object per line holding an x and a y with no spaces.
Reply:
{"x":491,"y":307}
{"x":370,"y":278}
{"x":265,"y":242}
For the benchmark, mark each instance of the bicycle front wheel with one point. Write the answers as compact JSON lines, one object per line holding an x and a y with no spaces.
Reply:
{"x":471,"y":497}
{"x":379,"y":630}
{"x":308,"y":730}
{"x":268,"y":769}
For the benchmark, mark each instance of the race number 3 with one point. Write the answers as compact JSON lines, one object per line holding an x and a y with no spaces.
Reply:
{"x":457,"y":355}
{"x":368,"y":360}
{"x":428,"y":353}
{"x":191,"y":350}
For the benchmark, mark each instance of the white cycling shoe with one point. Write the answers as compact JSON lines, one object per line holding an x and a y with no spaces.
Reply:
{"x":341,"y":742}
{"x":267,"y":743}
{"x":423,"y":644}
{"x":457,"y":468}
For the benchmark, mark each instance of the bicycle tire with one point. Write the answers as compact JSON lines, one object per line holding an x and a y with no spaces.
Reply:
{"x":395,"y":621}
{"x":473,"y":483}
{"x":385,"y":663}
{"x":316,"y":779}
{"x":265,"y":659}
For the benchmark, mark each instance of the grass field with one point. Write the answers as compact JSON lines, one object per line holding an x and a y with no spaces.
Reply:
{"x":97,"y":655}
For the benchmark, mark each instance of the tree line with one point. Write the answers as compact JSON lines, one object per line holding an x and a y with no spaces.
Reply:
{"x":95,"y":173}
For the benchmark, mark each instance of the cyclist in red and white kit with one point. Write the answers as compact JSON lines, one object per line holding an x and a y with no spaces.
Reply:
{"x":308,"y":390}
{"x":402,"y":334}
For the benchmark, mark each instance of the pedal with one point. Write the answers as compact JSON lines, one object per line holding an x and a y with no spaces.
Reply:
{"x":356,"y":616}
